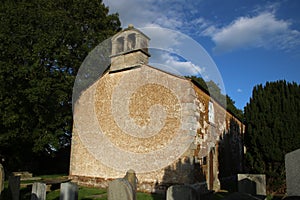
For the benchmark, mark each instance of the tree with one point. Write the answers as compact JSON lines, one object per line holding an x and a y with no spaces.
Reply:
{"x":238,"y":113}
{"x":214,"y":91}
{"x":272,"y":129}
{"x":42,"y":45}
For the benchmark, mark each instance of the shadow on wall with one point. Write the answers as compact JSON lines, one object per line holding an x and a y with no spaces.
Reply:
{"x":185,"y":171}
{"x":230,"y":156}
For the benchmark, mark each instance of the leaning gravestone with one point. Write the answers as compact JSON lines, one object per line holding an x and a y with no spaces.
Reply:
{"x":181,"y":192}
{"x":2,"y":176}
{"x":14,"y":187}
{"x":120,"y":189}
{"x":132,"y":179}
{"x":292,"y":169}
{"x":68,"y":191}
{"x":38,"y":191}
{"x":254,"y":184}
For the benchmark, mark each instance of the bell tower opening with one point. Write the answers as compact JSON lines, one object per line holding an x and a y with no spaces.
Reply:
{"x":120,"y":45}
{"x":129,"y":49}
{"x":131,"y":42}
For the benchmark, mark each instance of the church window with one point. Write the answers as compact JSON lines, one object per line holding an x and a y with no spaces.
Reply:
{"x":120,"y":45}
{"x":131,"y":41}
{"x":211,"y":112}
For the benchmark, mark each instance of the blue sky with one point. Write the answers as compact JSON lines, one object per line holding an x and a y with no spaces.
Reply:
{"x":250,"y":41}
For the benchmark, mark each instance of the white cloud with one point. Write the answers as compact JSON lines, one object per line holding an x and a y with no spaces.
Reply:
{"x":192,"y":58}
{"x":239,"y":90}
{"x":173,"y":64}
{"x":263,"y":30}
{"x":162,"y":38}
{"x":147,"y":12}
{"x":173,"y":14}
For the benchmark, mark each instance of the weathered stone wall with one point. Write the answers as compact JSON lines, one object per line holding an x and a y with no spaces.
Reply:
{"x":142,"y":119}
{"x":149,"y":121}
{"x":209,"y":135}
{"x":128,"y":60}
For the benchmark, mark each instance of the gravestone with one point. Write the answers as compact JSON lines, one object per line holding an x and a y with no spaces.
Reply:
{"x":68,"y":191}
{"x":292,"y":169}
{"x":254,"y":184}
{"x":132,"y":179}
{"x":38,"y":191}
{"x":120,"y":189}
{"x":14,"y":187}
{"x":181,"y":192}
{"x":2,"y":177}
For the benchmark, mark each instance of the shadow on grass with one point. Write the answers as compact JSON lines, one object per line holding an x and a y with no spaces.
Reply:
{"x":158,"y":197}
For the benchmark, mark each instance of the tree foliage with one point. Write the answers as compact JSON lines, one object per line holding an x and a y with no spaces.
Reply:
{"x":42,"y":45}
{"x":272,"y":128}
{"x":214,"y":90}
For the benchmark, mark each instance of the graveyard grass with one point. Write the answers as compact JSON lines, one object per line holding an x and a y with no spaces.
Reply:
{"x":88,"y":193}
{"x":84,"y":193}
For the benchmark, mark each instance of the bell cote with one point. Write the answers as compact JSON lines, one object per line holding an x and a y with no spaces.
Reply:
{"x":129,"y":49}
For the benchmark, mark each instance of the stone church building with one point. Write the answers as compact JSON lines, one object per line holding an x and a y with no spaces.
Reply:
{"x":164,"y":127}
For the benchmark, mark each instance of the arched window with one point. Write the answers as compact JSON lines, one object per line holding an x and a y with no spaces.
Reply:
{"x":131,"y":41}
{"x":211,"y":112}
{"x":120,"y":45}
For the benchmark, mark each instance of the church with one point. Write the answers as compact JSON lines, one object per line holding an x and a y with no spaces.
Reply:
{"x":165,"y":127}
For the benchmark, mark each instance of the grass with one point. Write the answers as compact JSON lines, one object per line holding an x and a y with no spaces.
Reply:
{"x":84,"y":193}
{"x":53,"y":176}
{"x":87,"y":193}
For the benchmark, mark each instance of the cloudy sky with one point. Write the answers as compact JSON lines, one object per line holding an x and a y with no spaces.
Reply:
{"x":237,"y":43}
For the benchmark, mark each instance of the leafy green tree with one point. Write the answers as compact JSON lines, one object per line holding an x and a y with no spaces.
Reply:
{"x":230,"y":103}
{"x":214,"y":90}
{"x":272,"y":129}
{"x":42,"y":45}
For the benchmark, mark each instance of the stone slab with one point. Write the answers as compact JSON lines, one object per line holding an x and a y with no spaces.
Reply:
{"x":292,"y":169}
{"x":68,"y":191}
{"x":38,"y":191}
{"x":132,"y":179}
{"x":181,"y":192}
{"x":254,"y":184}
{"x":120,"y":189}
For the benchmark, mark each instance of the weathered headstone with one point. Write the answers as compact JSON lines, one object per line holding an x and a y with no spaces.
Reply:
{"x":292,"y":169}
{"x":254,"y":184}
{"x":2,"y":177}
{"x":132,"y":179}
{"x":120,"y":189}
{"x":68,"y":191}
{"x":14,"y":187}
{"x":38,"y":191}
{"x":181,"y":192}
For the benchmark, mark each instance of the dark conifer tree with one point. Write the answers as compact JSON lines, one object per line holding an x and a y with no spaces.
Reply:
{"x":272,"y":129}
